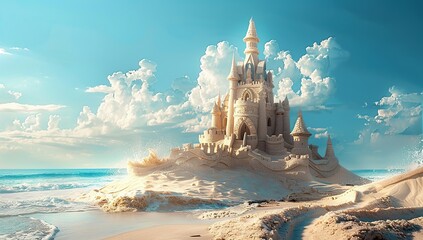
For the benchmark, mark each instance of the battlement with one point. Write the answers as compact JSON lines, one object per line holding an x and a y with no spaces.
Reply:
{"x":213,"y":148}
{"x":211,"y":135}
{"x":274,"y":138}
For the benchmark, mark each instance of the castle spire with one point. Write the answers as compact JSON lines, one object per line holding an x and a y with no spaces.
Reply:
{"x":300,"y":128}
{"x":219,"y":103}
{"x":251,"y":40}
{"x":251,"y":32}
{"x":329,"y":149}
{"x":233,"y":75}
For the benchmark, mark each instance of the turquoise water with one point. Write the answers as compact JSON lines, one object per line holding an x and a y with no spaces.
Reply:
{"x":25,"y":194}
{"x":378,"y":174}
{"x":28,"y":180}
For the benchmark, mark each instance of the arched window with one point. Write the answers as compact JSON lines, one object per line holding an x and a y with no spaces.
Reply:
{"x":269,"y":122}
{"x":247,"y":97}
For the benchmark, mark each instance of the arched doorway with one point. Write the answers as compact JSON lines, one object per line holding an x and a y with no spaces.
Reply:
{"x":242,"y":130}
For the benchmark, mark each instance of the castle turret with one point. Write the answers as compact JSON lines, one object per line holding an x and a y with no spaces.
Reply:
{"x":286,"y":122}
{"x":300,"y":135}
{"x":216,"y":116}
{"x":233,"y":79}
{"x":251,"y":51}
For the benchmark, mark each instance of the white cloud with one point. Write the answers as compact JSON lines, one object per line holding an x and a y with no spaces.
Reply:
{"x":99,"y":89}
{"x":399,"y":113}
{"x":27,"y":108}
{"x":4,"y":52}
{"x":53,"y":122}
{"x":212,"y":80}
{"x":31,"y":123}
{"x":19,"y":49}
{"x":196,"y":125}
{"x":16,"y":95}
{"x":319,"y":132}
{"x":307,"y":82}
{"x":2,"y":86}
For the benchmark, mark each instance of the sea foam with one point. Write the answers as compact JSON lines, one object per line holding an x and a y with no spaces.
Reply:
{"x":21,"y":227}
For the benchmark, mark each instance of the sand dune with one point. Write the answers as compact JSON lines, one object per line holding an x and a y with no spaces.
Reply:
{"x":390,"y":209}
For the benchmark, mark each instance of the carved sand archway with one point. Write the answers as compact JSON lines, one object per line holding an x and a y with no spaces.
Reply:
{"x":245,"y":125}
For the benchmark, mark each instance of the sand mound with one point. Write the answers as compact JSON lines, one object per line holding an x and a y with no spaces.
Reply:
{"x":158,"y":184}
{"x":196,"y":186}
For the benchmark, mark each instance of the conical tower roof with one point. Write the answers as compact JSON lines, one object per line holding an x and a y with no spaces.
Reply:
{"x":300,"y":128}
{"x":286,"y":102}
{"x":216,"y":108}
{"x":251,"y":32}
{"x":329,"y":149}
{"x":233,"y":75}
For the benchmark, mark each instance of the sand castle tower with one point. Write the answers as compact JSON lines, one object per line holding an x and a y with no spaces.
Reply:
{"x":300,"y":135}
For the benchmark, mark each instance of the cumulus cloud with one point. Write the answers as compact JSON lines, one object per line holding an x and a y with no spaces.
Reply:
{"x":212,"y":80}
{"x":28,"y":108}
{"x":306,"y":82}
{"x":16,"y":95}
{"x":397,"y":114}
{"x":31,"y":123}
{"x":2,"y":86}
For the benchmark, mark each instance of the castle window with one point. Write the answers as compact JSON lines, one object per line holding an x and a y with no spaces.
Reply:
{"x":269,"y":122}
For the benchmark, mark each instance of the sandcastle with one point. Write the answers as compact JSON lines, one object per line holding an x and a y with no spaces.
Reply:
{"x":249,"y":128}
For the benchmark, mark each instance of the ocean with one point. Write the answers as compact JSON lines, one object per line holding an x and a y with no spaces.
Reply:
{"x":27,"y":195}
{"x":28,"y":192}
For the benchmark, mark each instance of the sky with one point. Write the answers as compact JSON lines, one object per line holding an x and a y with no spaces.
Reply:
{"x":97,"y":83}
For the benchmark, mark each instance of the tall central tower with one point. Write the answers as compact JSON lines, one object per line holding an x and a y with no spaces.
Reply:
{"x":251,"y":51}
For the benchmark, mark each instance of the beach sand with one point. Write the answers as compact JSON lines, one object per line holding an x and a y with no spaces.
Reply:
{"x":388,"y":209}
{"x":171,"y":232}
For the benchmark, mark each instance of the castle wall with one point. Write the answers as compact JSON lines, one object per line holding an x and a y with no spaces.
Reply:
{"x":211,"y":135}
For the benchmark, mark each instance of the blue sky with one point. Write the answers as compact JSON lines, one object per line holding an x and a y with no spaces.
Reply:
{"x":54,"y":54}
